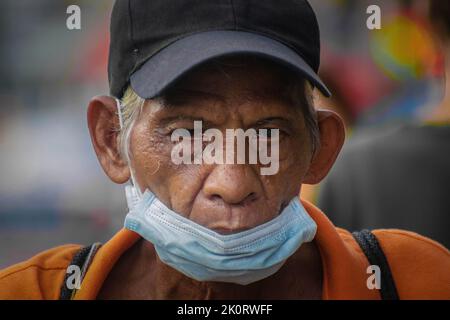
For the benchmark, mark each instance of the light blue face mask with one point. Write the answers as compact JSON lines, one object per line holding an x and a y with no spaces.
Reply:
{"x":205,"y":255}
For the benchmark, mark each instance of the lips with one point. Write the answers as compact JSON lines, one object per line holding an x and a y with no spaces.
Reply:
{"x":226,"y":219}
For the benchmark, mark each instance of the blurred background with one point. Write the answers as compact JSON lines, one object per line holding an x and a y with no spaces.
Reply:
{"x":52,"y":189}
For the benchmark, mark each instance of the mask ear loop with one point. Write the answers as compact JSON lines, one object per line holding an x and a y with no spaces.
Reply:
{"x":132,"y":191}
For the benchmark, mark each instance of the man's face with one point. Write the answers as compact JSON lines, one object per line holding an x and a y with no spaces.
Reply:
{"x":232,"y":94}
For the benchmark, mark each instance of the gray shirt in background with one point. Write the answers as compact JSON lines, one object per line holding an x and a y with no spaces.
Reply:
{"x":396,"y":178}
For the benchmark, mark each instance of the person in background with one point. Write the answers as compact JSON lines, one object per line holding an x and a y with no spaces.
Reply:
{"x":398,"y":177}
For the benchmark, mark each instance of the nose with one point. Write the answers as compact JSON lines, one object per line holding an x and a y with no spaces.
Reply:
{"x":234,"y":184}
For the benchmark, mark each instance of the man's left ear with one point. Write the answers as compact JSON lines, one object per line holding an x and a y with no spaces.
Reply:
{"x":332,"y":137}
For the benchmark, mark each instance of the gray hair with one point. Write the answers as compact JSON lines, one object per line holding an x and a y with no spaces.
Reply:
{"x":131,"y":105}
{"x":301,"y":93}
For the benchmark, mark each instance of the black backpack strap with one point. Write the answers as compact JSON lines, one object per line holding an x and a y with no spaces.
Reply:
{"x":371,"y":248}
{"x":82,"y":259}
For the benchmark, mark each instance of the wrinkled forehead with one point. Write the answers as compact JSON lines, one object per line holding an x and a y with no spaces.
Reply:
{"x":239,"y":75}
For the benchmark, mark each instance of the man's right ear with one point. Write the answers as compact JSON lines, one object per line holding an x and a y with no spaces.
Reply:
{"x":103,"y":123}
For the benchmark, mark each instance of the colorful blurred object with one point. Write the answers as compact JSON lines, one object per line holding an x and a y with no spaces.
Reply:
{"x":356,"y":81}
{"x":404,"y":48}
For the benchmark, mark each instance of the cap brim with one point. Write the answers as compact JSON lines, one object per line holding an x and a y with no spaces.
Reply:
{"x":172,"y":62}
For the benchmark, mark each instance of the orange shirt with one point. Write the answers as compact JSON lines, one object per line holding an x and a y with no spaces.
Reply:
{"x":420,"y":266}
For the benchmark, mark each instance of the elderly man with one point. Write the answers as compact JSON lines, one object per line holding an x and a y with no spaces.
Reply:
{"x":213,"y":226}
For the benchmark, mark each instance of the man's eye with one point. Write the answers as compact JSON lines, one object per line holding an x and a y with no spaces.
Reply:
{"x":182,"y":131}
{"x":268,"y":133}
{"x":191,"y":131}
{"x":187,"y":132}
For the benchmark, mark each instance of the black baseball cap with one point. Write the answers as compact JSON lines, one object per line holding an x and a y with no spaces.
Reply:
{"x":155,"y":42}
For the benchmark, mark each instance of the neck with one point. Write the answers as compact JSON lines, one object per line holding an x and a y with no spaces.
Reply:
{"x":149,"y":278}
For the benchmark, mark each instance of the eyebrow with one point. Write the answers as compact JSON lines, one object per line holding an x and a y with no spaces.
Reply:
{"x":285,"y":121}
{"x":168,"y":120}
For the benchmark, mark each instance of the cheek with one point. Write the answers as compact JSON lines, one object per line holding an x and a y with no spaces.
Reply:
{"x":175,"y":185}
{"x":184,"y":183}
{"x":149,"y":157}
{"x":294,"y":164}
